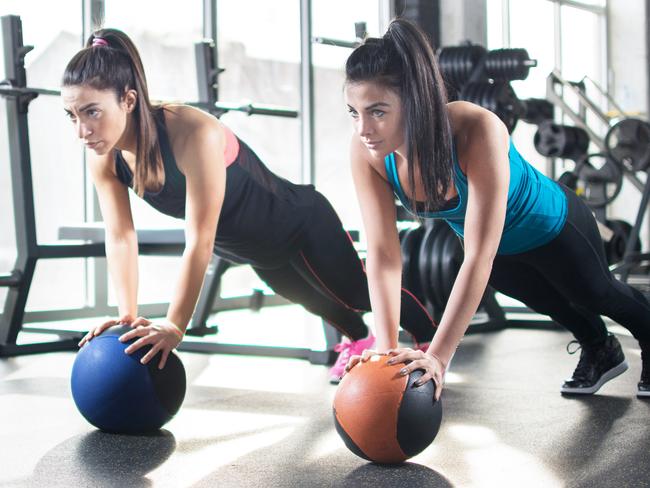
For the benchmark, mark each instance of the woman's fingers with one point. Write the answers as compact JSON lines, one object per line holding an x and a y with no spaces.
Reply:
{"x":418,"y":360}
{"x":138,"y":331}
{"x":86,"y":338}
{"x":436,"y":380}
{"x":140,"y":321}
{"x":151,"y":353}
{"x":160,"y":340}
{"x":96,"y":331}
{"x":103,"y":327}
{"x":126,"y":319}
{"x":402,"y":355}
{"x":438,"y":390}
{"x":423,"y":379}
{"x":356,"y":359}
{"x":352,"y":362}
{"x":144,"y":339}
{"x":398,"y":350}
{"x":163,"y":359}
{"x":367,"y":354}
{"x":413,"y":365}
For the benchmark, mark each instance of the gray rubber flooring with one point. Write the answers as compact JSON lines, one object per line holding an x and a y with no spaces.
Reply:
{"x":260,"y":422}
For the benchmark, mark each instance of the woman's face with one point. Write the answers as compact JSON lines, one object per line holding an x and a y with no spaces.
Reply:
{"x":377,"y":114}
{"x":99,"y":118}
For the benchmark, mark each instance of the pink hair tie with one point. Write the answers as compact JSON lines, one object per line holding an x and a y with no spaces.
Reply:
{"x":98,"y":41}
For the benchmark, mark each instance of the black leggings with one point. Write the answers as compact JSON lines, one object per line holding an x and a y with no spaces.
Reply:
{"x":329,"y":280}
{"x":568,"y":279}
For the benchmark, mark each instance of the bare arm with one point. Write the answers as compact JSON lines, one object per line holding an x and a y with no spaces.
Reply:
{"x":485,"y":154}
{"x":383,"y":261}
{"x":121,"y":239}
{"x":205,"y":176}
{"x":203,"y":165}
{"x":486,"y":158}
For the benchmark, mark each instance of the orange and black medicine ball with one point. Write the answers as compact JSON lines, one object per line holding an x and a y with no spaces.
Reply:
{"x":381,"y":416}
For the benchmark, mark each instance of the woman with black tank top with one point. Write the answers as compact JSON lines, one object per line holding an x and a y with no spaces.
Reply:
{"x":187,"y":164}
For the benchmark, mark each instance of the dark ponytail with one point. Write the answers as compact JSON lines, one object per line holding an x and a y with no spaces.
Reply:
{"x":110,"y":61}
{"x":403,"y":60}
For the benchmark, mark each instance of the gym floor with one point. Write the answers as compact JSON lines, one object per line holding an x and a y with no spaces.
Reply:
{"x":252,"y":421}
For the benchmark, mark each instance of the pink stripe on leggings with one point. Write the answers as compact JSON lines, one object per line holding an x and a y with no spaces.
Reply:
{"x":326,"y":287}
{"x":421,"y":306}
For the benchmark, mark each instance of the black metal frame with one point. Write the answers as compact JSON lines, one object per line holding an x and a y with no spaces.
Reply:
{"x":632,"y":261}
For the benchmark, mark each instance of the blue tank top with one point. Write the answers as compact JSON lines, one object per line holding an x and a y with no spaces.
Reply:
{"x":535,"y":214}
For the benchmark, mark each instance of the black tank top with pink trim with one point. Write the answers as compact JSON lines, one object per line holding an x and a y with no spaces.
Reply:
{"x":263,"y":217}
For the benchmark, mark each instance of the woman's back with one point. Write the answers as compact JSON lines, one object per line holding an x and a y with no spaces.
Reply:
{"x":253,"y":219}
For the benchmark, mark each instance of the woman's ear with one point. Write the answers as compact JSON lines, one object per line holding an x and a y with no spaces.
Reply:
{"x":130,"y":100}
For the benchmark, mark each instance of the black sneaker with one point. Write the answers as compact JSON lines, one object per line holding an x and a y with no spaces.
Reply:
{"x":644,"y":384}
{"x":598,"y":364}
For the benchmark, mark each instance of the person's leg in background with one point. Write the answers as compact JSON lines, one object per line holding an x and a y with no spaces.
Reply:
{"x":329,"y":261}
{"x":289,"y":283}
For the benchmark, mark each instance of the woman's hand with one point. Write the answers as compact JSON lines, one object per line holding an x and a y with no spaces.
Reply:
{"x":433,"y":367}
{"x":123,"y":320}
{"x":161,"y":337}
{"x":354,"y":360}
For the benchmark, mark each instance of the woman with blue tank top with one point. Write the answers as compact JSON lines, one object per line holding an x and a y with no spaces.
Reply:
{"x":522,"y":233}
{"x":187,"y":164}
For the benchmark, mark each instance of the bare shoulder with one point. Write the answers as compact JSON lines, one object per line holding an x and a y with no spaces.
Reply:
{"x":190,"y":130}
{"x":102,"y":167}
{"x":476,"y":130}
{"x":360,"y":156}
{"x":466,"y":116}
{"x":186,"y":120}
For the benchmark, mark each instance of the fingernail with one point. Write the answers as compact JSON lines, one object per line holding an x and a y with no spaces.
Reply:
{"x":390,"y":361}
{"x":417,"y":383}
{"x":403,"y":371}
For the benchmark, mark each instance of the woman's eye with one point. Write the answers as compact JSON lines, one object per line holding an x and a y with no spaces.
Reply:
{"x":377,"y":113}
{"x":92,"y":112}
{"x":353,"y":114}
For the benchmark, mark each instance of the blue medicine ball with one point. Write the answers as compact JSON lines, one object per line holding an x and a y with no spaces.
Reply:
{"x":116,"y":393}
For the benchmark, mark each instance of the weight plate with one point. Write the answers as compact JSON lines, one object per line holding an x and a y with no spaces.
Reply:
{"x":628,"y":141}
